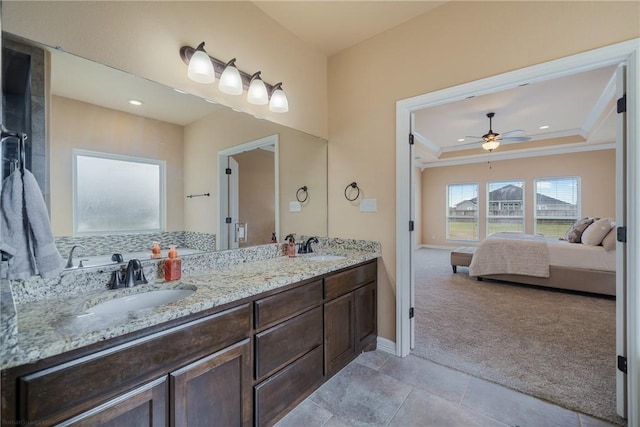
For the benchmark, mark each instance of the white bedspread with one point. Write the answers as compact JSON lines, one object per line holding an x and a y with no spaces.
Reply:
{"x":511,"y":253}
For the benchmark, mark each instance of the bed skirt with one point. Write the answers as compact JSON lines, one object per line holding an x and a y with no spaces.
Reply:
{"x":575,"y":279}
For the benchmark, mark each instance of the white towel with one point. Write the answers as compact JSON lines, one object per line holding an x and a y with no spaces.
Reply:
{"x":25,"y":230}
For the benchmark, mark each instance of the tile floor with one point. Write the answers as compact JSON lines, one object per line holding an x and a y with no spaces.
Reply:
{"x":378,"y":389}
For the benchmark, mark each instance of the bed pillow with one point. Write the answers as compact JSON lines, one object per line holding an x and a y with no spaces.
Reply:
{"x":609,"y":241}
{"x":597,"y":231}
{"x":574,"y":234}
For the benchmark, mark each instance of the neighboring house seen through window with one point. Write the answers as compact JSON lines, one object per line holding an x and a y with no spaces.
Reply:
{"x":505,"y":209}
{"x":462,"y":211}
{"x":557,"y":205}
{"x":117,"y":193}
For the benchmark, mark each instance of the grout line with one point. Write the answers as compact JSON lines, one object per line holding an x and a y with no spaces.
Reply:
{"x":400,"y":406}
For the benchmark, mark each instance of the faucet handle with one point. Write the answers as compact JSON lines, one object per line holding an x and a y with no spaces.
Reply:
{"x":81,"y":261}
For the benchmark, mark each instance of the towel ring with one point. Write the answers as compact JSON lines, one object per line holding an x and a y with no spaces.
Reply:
{"x":302,"y":190}
{"x":352,"y":185}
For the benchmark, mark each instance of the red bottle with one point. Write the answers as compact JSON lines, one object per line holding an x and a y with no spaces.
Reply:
{"x":172,"y":265}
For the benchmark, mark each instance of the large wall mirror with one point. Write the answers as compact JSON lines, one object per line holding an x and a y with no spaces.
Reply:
{"x":89,"y":109}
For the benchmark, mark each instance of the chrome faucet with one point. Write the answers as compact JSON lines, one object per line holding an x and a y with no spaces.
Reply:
{"x":70,"y":259}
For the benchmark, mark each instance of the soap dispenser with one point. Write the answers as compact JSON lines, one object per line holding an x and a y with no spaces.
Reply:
{"x":172,"y":265}
{"x":292,"y":246}
{"x":156,"y":252}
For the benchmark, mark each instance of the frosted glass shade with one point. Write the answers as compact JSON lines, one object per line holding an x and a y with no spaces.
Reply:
{"x":491,"y":145}
{"x":200,"y":68}
{"x":230,"y":81}
{"x":257,"y":93}
{"x":278,"y":102}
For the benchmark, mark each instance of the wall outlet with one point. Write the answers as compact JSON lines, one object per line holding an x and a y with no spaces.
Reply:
{"x":369,"y":205}
{"x":295,"y":207}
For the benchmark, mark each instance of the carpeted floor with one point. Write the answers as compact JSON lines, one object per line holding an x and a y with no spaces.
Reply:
{"x":557,"y":346}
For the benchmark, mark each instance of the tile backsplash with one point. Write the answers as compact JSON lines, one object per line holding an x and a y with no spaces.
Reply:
{"x":135,"y":242}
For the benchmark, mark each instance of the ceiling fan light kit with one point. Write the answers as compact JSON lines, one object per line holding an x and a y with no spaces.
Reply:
{"x":491,"y":140}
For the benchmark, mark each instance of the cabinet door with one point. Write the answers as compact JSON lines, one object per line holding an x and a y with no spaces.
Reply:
{"x":215,"y":390}
{"x":366,"y":313}
{"x":143,"y":406}
{"x":339,"y":342}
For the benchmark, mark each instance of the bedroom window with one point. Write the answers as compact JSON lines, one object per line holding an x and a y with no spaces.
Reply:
{"x":557,"y":205}
{"x":505,"y":208}
{"x":462,"y":211}
{"x":117,"y":193}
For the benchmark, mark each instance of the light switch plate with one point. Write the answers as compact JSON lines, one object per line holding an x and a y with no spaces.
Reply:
{"x":295,"y":207}
{"x":369,"y":205}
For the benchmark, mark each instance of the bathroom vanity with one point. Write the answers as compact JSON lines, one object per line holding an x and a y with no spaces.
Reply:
{"x":245,"y":361}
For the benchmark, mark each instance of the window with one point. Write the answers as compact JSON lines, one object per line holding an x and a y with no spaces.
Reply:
{"x":505,"y":209}
{"x":557,"y":205}
{"x":462,"y":211}
{"x":117,"y":193}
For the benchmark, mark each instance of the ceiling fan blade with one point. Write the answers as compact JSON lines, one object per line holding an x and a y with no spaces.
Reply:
{"x":473,"y":137}
{"x":515,"y":132}
{"x":516,"y":139}
{"x":467,"y":144}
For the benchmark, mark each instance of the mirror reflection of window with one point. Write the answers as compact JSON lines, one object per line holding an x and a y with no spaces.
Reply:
{"x":130,"y":199}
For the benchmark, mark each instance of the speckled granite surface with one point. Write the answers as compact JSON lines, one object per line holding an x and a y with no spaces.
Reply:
{"x":53,"y":322}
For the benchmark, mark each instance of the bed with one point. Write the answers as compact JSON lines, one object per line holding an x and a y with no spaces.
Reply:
{"x":545,"y":261}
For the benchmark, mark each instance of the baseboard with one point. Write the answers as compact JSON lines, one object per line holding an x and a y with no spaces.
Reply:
{"x":386,"y":346}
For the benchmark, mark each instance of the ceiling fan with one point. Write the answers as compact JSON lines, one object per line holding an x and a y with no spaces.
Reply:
{"x":491,"y":140}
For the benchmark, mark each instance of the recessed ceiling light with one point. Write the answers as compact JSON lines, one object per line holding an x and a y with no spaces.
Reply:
{"x":211,"y":101}
{"x":135,"y":102}
{"x":544,"y":127}
{"x":460,"y":139}
{"x":179,"y":91}
{"x":236,"y":110}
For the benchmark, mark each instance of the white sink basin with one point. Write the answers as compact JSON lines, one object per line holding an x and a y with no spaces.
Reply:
{"x":140,"y":301}
{"x":326,"y":258}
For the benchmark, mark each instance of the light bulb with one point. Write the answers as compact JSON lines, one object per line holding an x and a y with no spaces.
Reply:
{"x":257,"y":93}
{"x":230,"y":80}
{"x":200,"y":66}
{"x":491,"y":145}
{"x":278,"y":102}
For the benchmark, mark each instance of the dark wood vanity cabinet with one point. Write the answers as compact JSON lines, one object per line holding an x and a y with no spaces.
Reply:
{"x":102,"y":385}
{"x":350,"y":317}
{"x":246,"y":365}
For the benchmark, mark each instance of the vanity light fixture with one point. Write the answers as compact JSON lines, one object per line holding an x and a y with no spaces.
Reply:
{"x":278,"y":102}
{"x":200,"y":66}
{"x":257,"y":93}
{"x":232,"y":80}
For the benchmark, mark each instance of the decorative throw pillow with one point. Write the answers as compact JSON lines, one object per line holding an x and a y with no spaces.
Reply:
{"x":574,"y":234}
{"x":609,"y":241}
{"x":597,"y":231}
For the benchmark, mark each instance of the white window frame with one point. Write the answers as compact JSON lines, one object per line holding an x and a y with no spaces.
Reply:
{"x":162,"y":190}
{"x":550,"y":178}
{"x":453,"y":239}
{"x":488,"y":204}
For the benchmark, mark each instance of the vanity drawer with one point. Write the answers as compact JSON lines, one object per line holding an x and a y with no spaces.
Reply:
{"x":283,"y":343}
{"x":288,"y":387}
{"x":341,"y":283}
{"x":286,"y":304}
{"x":65,"y":390}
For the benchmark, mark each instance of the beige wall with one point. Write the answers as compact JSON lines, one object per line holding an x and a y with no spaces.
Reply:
{"x":302,"y":161}
{"x":144,"y":37}
{"x":79,"y":125}
{"x":256,"y":195}
{"x":443,"y":48}
{"x":596,"y":170}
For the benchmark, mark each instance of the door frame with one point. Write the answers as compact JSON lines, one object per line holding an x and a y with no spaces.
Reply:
{"x":628,"y":52}
{"x":223,"y":190}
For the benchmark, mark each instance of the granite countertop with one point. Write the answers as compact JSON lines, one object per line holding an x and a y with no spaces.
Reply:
{"x":53,"y":326}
